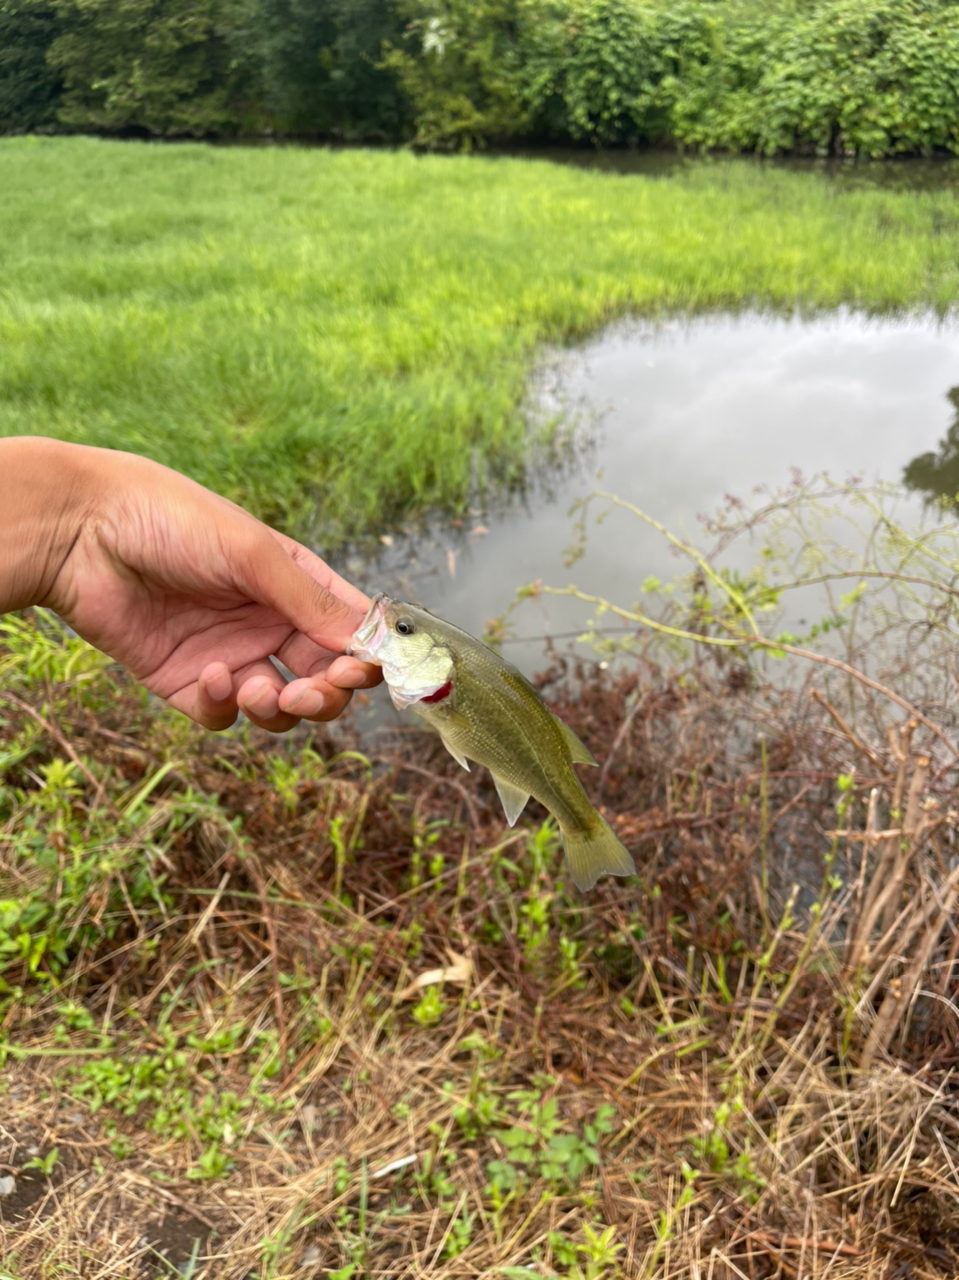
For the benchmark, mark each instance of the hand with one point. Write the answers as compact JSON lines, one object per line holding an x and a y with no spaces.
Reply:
{"x":194,"y":596}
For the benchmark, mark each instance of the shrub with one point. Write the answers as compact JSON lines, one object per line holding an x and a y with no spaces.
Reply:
{"x":320,"y":64}
{"x":864,"y":77}
{"x":606,"y":71}
{"x":29,"y":87}
{"x":462,"y":64}
{"x":162,"y":66}
{"x":833,"y":76}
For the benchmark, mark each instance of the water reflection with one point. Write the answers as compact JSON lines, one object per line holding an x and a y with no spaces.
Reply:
{"x":680,"y":415}
{"x":905,"y":173}
{"x":936,"y":474}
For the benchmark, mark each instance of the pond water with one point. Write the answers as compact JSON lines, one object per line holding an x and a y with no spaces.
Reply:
{"x":904,"y":173}
{"x":673,"y":417}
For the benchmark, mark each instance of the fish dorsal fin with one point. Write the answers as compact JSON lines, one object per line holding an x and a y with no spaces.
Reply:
{"x":513,"y":798}
{"x":460,"y":759}
{"x":578,"y":752}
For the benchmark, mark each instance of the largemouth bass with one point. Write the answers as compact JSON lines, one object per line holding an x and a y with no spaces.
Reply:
{"x":485,"y":710}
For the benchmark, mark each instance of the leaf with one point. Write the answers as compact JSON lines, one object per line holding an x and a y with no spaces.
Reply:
{"x":459,"y":971}
{"x":515,"y":1138}
{"x":564,"y":1142}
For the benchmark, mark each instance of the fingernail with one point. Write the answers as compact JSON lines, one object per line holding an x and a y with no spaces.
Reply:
{"x":262,"y":699}
{"x":309,"y":703}
{"x":220,"y":686}
{"x":351,"y":679}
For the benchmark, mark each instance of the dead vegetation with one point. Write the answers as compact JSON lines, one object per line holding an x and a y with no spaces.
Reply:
{"x":276,"y":1009}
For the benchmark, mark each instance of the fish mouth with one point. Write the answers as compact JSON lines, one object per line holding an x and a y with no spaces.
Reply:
{"x":371,"y":632}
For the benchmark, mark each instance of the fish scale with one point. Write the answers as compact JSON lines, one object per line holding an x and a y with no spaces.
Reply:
{"x":487,"y":711}
{"x":485,"y":742}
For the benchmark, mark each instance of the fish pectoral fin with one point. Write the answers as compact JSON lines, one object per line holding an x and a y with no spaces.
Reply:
{"x":579,"y":753}
{"x":460,"y":759}
{"x":513,"y":798}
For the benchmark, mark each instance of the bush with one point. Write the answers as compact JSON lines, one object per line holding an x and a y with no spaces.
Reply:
{"x":162,"y":66}
{"x":865,"y":77}
{"x":835,"y":76}
{"x":606,"y":72}
{"x":462,"y":65}
{"x":320,"y":64}
{"x":29,"y":87}
{"x":846,"y":77}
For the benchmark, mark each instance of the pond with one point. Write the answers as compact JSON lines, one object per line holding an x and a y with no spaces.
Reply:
{"x":904,"y":173}
{"x":673,"y":417}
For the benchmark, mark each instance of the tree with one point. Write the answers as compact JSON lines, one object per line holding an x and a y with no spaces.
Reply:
{"x":321,"y":63}
{"x":164,"y":66}
{"x":29,"y":87}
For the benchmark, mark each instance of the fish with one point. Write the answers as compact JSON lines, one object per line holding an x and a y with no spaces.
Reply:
{"x":486,"y":711}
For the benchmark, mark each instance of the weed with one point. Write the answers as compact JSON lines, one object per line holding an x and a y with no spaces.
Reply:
{"x":44,"y":1164}
{"x":339,"y":372}
{"x":204,"y":1022}
{"x":430,"y":1008}
{"x":537,"y":1147}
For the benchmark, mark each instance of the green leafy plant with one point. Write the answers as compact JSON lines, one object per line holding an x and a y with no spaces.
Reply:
{"x":430,"y":1008}
{"x":537,"y":1146}
{"x":44,"y":1164}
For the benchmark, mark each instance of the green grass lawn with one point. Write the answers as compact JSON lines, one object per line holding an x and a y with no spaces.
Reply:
{"x":349,"y":332}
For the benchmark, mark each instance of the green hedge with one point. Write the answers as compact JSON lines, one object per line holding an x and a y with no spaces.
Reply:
{"x":870,"y":77}
{"x":863,"y":77}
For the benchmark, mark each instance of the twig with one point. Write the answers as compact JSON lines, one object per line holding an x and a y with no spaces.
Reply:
{"x":741,"y":641}
{"x":856,"y":741}
{"x":194,"y":935}
{"x":168,"y":1195}
{"x":762,"y":643}
{"x":450,"y":782}
{"x":800,"y":1242}
{"x":910,"y":830}
{"x":275,"y":965}
{"x":899,"y":998}
{"x":635,"y":702}
{"x":869,"y":573}
{"x":54,"y":732}
{"x":888,"y":878}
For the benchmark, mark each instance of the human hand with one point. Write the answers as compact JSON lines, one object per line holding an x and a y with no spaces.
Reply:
{"x":194,"y":596}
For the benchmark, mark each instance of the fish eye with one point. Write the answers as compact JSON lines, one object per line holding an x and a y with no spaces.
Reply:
{"x":405,"y":627}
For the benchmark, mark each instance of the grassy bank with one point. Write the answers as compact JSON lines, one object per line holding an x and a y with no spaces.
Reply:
{"x":341,"y":339}
{"x":270,"y":1013}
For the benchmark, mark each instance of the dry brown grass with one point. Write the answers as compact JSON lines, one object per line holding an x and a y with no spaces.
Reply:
{"x":779,"y":1073}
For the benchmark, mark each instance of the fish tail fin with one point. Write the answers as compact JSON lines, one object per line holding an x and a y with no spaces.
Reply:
{"x":591,"y":853}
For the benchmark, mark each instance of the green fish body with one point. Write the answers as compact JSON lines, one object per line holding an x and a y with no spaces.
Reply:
{"x":486,"y":711}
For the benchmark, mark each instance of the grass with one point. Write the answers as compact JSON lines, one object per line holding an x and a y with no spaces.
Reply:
{"x":277,"y":1010}
{"x":341,"y":339}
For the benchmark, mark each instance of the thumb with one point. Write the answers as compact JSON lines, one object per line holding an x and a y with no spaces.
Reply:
{"x":273,"y":577}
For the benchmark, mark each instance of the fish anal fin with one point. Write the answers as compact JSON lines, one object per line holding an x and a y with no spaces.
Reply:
{"x":579,"y":753}
{"x":513,"y":798}
{"x":460,"y":759}
{"x":594,"y":853}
